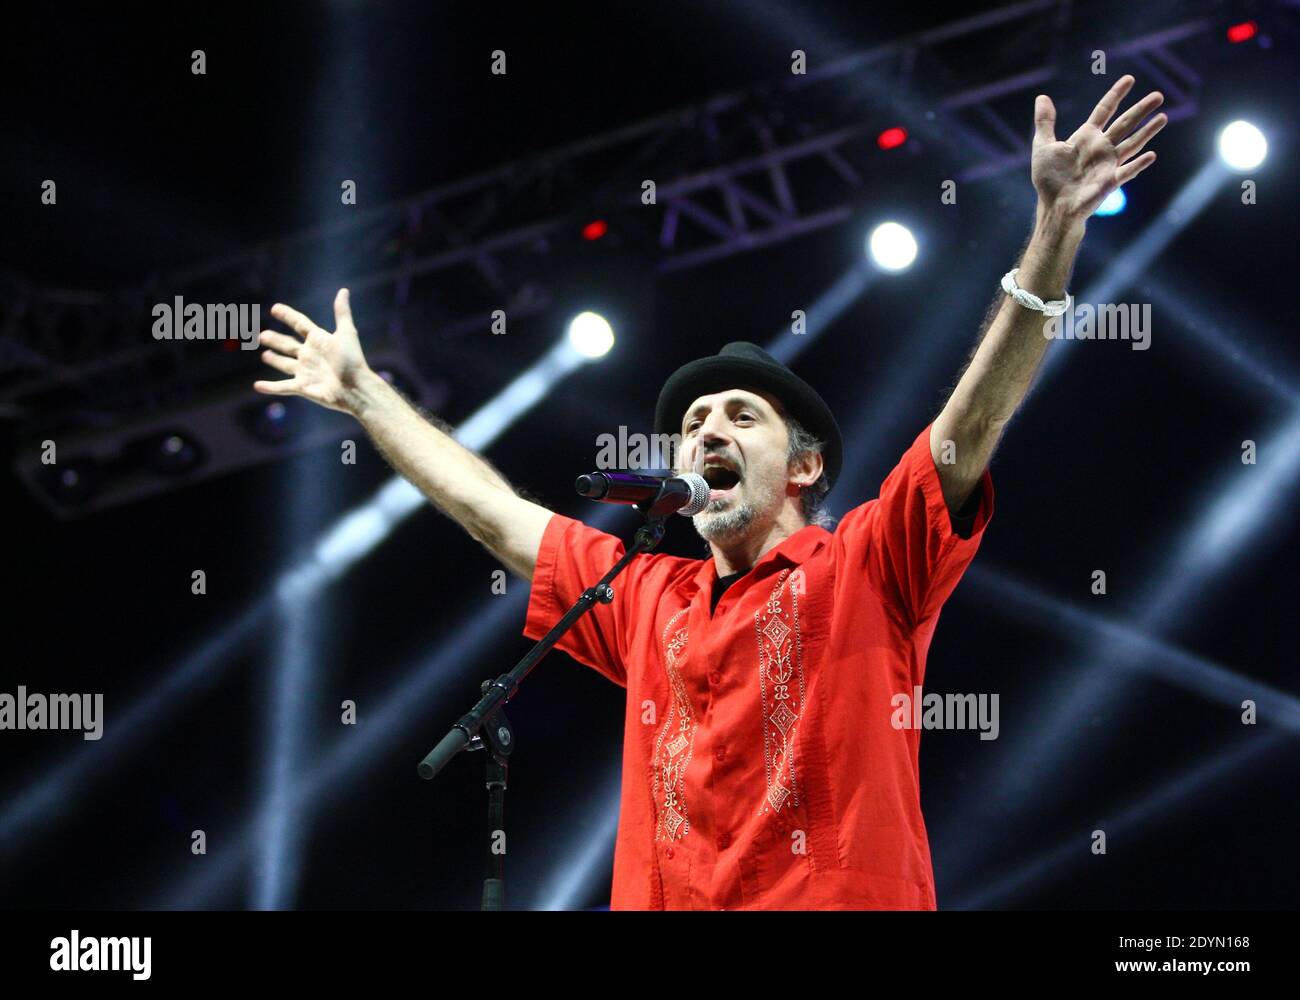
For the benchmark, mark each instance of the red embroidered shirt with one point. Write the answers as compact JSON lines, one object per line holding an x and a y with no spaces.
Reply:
{"x":761,"y":765}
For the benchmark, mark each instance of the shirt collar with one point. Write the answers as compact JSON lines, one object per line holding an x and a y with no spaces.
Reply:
{"x":791,"y":551}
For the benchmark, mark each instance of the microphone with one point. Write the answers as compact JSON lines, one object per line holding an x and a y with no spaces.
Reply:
{"x":687,"y":494}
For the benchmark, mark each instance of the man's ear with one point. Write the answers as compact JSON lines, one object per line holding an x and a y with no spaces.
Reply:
{"x":806,"y":468}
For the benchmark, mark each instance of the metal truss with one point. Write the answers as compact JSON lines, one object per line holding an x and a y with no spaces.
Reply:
{"x":739,"y":171}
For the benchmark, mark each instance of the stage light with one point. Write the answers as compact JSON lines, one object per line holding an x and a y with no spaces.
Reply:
{"x":892,"y":246}
{"x":272,"y":422}
{"x":1242,"y":146}
{"x":1242,"y":32}
{"x":591,"y":335}
{"x":595,"y":229}
{"x":73,"y":482}
{"x":1113,"y":203}
{"x":172,"y":453}
{"x":891,"y":138}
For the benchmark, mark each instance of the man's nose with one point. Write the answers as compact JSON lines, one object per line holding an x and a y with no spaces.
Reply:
{"x":711,"y":449}
{"x":713,"y":442}
{"x":712,"y":433}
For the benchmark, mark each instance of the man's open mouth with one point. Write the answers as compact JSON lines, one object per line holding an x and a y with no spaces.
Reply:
{"x":721,"y":477}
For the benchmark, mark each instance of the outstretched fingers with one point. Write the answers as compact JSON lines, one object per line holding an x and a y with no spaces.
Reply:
{"x":283,"y":387}
{"x":281,"y":342}
{"x":293,"y":319}
{"x":1044,"y":120}
{"x":343,"y":312}
{"x":280,"y":363}
{"x":1134,"y":167}
{"x":1131,"y":146}
{"x":1110,"y":101}
{"x":1128,"y":121}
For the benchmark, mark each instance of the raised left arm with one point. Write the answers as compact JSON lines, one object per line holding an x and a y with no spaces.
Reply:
{"x":1072,"y":178}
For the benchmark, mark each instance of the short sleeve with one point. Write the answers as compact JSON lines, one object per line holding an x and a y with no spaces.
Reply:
{"x":572,"y":557}
{"x":905,"y":541}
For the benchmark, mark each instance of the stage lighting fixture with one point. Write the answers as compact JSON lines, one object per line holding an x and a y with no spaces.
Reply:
{"x":892,"y":246}
{"x":271,"y":422}
{"x":1113,"y":203}
{"x":1242,"y":146}
{"x":591,"y":335}
{"x":891,"y":138}
{"x":73,"y":482}
{"x":595,"y":229}
{"x":171,"y":453}
{"x":1242,"y":32}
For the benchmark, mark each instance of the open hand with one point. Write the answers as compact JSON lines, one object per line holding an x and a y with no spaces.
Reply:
{"x":1076,"y":174}
{"x":325,"y":367}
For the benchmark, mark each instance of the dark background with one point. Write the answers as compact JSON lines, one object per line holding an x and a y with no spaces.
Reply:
{"x":1110,"y":464}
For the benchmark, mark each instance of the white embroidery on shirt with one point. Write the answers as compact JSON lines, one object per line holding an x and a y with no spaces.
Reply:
{"x":674,"y":756}
{"x":780,"y":661}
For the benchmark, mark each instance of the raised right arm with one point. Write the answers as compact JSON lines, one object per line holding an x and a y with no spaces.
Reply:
{"x":330,"y":369}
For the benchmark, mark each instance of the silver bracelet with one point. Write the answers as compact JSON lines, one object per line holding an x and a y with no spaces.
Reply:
{"x":1031,"y":301}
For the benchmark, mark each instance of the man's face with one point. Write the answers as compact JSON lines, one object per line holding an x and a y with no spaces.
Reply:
{"x":737,"y":441}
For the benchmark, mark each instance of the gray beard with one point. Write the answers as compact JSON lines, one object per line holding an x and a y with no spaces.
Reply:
{"x":712,"y":525}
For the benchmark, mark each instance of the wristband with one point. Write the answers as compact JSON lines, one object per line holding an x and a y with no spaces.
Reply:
{"x":1031,"y":301}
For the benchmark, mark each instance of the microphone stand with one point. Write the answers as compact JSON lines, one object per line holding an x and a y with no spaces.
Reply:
{"x":488,"y":717}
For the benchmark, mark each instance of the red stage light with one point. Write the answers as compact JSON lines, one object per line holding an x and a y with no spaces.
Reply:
{"x":594,"y":230}
{"x":891,"y":138}
{"x":1242,"y":32}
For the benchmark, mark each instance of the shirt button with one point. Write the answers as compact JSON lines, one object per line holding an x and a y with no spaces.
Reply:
{"x":724,"y":841}
{"x":720,"y":753}
{"x":715,"y":676}
{"x":668,"y":852}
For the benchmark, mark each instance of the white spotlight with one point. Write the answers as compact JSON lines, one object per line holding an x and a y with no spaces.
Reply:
{"x":591,"y":335}
{"x":1242,"y":146}
{"x":892,"y":247}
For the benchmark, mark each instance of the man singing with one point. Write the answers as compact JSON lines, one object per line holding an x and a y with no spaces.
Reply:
{"x":762,"y":764}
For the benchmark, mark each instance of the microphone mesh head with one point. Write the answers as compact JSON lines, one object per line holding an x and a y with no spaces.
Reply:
{"x":699,"y":494}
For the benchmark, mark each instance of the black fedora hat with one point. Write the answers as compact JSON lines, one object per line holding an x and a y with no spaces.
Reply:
{"x":742,"y":365}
